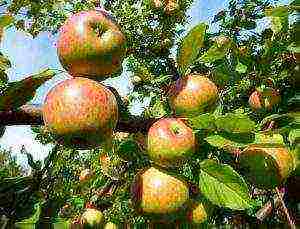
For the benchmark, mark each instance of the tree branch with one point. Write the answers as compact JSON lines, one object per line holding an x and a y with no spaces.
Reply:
{"x":32,"y":115}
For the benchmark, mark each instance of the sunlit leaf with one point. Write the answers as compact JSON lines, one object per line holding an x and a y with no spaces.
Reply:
{"x":264,"y":138}
{"x":223,"y":186}
{"x":221,"y":142}
{"x":204,"y":121}
{"x":279,"y":18}
{"x":214,"y":53}
{"x":235,"y":123}
{"x":190,"y":46}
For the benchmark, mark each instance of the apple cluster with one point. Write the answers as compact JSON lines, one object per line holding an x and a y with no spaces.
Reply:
{"x":80,"y":111}
{"x":83,"y":113}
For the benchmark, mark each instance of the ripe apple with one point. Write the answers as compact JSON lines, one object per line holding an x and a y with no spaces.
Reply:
{"x":192,"y":95}
{"x":170,"y":142}
{"x":92,"y":218}
{"x":266,"y":166}
{"x":81,"y":112}
{"x":264,"y":99}
{"x":91,"y":44}
{"x":156,"y":192}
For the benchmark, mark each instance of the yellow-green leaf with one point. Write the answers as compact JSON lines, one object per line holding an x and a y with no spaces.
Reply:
{"x":223,"y":186}
{"x":190,"y":46}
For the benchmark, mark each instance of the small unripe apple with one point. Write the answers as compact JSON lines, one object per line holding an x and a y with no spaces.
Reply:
{"x":192,"y":95}
{"x":92,"y":218}
{"x":81,"y":112}
{"x":170,"y":142}
{"x":264,"y":99}
{"x":85,"y":175}
{"x":199,"y":211}
{"x":91,"y":44}
{"x":156,"y":192}
{"x":110,"y":225}
{"x":266,"y":166}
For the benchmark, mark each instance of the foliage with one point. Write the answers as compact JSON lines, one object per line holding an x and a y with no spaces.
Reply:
{"x":238,"y":57}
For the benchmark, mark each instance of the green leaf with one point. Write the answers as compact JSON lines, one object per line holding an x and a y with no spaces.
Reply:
{"x":263,"y":138}
{"x":241,"y":68}
{"x":222,"y":142}
{"x":159,"y":109}
{"x":279,"y":18}
{"x":293,"y":47}
{"x":215,"y":52}
{"x":223,"y":186}
{"x":203,"y":121}
{"x":6,"y":20}
{"x":294,"y":136}
{"x":279,"y":11}
{"x":190,"y":46}
{"x":18,"y":93}
{"x":221,"y":75}
{"x":235,"y":123}
{"x":128,"y":149}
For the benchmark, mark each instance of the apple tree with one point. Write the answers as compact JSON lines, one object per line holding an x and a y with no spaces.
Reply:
{"x":216,"y":143}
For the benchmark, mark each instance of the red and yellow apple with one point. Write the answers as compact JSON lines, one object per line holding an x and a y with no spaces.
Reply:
{"x":170,"y":141}
{"x":91,"y":44}
{"x":81,"y":113}
{"x":264,"y":99}
{"x":156,"y":192}
{"x":192,"y":95}
{"x":266,"y":166}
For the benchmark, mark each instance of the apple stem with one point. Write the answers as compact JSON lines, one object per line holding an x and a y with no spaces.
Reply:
{"x":175,"y":129}
{"x":266,"y":210}
{"x":285,"y":210}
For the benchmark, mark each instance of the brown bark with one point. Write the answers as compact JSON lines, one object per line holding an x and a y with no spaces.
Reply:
{"x":32,"y":115}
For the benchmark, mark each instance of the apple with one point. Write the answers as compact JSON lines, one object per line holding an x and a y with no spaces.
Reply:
{"x":170,"y":6}
{"x":110,"y":225}
{"x":92,"y":218}
{"x":264,"y":99}
{"x":85,"y":175}
{"x":192,"y":95}
{"x":266,"y":166}
{"x":156,"y":192}
{"x":81,"y":112}
{"x":199,"y":211}
{"x":91,"y":44}
{"x":170,"y":141}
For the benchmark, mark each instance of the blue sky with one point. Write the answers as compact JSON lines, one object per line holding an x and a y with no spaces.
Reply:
{"x":30,"y":56}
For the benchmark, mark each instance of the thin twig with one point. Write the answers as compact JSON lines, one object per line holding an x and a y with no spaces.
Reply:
{"x":288,"y":217}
